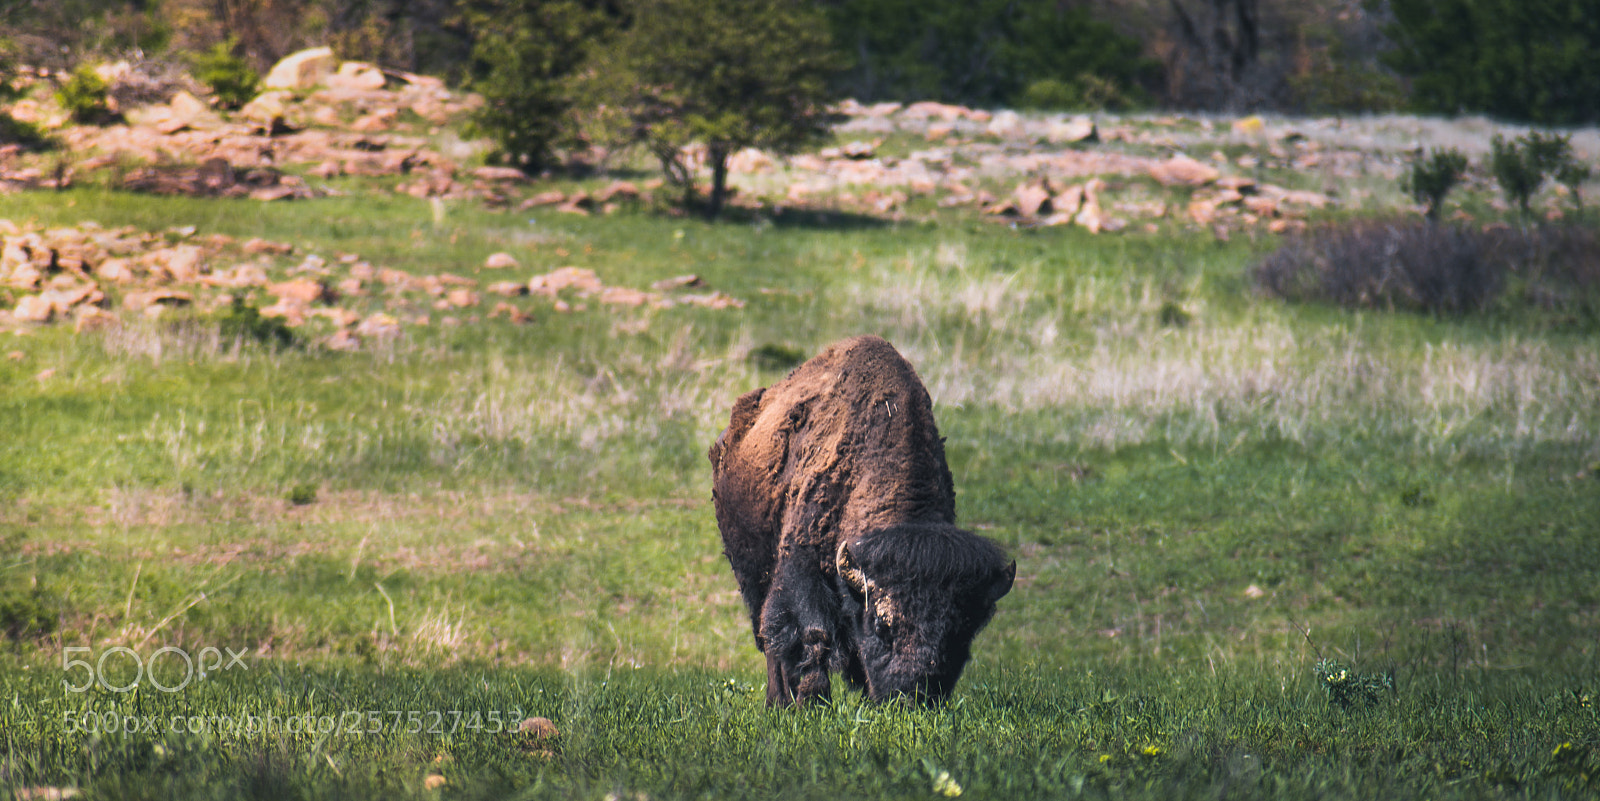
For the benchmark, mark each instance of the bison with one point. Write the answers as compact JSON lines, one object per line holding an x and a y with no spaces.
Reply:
{"x":838,"y":516}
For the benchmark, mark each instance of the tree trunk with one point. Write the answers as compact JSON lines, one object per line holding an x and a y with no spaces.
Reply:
{"x":718,"y":157}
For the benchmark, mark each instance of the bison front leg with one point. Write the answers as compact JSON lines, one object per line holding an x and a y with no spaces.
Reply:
{"x":798,"y":624}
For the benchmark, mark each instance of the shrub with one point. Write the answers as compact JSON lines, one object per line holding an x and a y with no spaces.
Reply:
{"x":775,"y":357}
{"x":302,"y":494}
{"x":84,"y":96}
{"x":1429,"y":267}
{"x":1348,"y":689}
{"x":1522,"y":166}
{"x":1433,"y":177}
{"x":728,"y":74}
{"x":241,"y":321}
{"x":1086,"y":92}
{"x":230,"y":77}
{"x":526,"y":54}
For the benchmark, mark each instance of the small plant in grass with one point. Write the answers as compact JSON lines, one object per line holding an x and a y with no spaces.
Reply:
{"x":243,"y":321}
{"x":302,"y":494}
{"x":85,"y":97}
{"x":1348,"y":689}
{"x":776,"y":357}
{"x":1433,"y":177}
{"x":230,"y":77}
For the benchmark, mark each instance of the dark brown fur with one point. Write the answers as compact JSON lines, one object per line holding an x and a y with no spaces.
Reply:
{"x":837,"y":513}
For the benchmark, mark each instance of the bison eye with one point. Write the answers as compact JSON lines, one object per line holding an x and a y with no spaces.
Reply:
{"x":881,"y":628}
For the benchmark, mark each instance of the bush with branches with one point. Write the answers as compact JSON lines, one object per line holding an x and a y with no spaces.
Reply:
{"x":231,"y":79}
{"x":728,"y":74}
{"x":1433,"y":177}
{"x":85,"y":96}
{"x":1430,"y":267}
{"x":1521,"y":166}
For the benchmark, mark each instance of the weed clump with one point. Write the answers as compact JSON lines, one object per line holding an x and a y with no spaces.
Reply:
{"x":302,"y":494}
{"x":1421,"y":266}
{"x":1348,"y":689}
{"x":230,"y":77}
{"x":84,"y":96}
{"x":776,"y":358}
{"x":242,"y":321}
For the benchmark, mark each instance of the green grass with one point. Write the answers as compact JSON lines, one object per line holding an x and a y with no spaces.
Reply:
{"x":499,"y":517}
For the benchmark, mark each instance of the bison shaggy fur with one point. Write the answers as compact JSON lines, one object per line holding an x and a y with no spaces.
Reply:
{"x":837,"y":513}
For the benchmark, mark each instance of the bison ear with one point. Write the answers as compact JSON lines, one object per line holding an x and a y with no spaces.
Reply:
{"x":1002,"y":582}
{"x":845,"y":562}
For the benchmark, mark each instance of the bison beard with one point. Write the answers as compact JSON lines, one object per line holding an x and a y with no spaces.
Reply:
{"x":837,"y":513}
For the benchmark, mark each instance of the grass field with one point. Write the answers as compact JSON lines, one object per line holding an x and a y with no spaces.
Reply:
{"x":1207,"y":492}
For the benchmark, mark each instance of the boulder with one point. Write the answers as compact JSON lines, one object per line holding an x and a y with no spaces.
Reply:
{"x":93,"y":318}
{"x":1249,"y":126}
{"x":191,"y":110}
{"x":141,"y":301}
{"x":116,"y":270}
{"x":34,"y":309}
{"x":508,"y":289}
{"x":379,"y":326}
{"x":356,"y":76}
{"x":1182,"y":170}
{"x":749,"y":160}
{"x":1032,"y":198}
{"x":577,"y":278}
{"x":500,"y":174}
{"x":301,"y":290}
{"x":678,"y":282}
{"x":1005,"y":125}
{"x":267,"y":109}
{"x":257,"y":245}
{"x":1077,"y":129}
{"x":500,"y":261}
{"x":302,"y":70}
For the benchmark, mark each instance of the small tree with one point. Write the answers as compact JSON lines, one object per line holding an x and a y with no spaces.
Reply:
{"x":1433,"y":177}
{"x":230,"y":77}
{"x":1518,"y":174}
{"x":1522,"y":166}
{"x":523,"y":62}
{"x":729,"y":74}
{"x":84,"y":96}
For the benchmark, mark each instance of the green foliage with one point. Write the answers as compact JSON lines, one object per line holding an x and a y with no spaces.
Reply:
{"x":1520,"y":59}
{"x":1348,"y":689}
{"x":989,"y":52}
{"x":1432,"y":178}
{"x":526,"y":53}
{"x":1086,"y":92}
{"x":233,"y":82}
{"x":1334,"y":85}
{"x":242,"y":321}
{"x":302,"y":494}
{"x":728,"y":74}
{"x":1572,"y":175}
{"x":776,"y":357}
{"x":84,"y":96}
{"x":1521,"y":166}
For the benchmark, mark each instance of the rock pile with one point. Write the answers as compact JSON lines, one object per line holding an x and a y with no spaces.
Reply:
{"x":98,"y":277}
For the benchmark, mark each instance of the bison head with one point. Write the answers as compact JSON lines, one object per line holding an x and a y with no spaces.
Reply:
{"x":915,"y":596}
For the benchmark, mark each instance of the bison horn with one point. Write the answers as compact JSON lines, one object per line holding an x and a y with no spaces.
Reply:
{"x":846,"y":564}
{"x":1002,"y":582}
